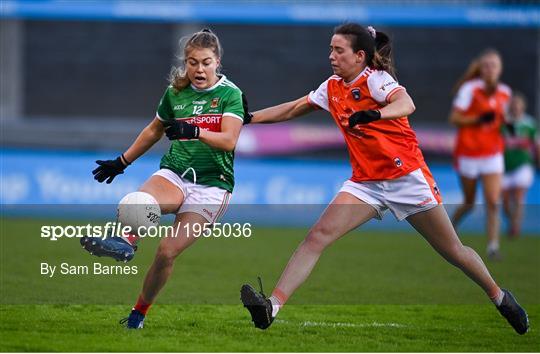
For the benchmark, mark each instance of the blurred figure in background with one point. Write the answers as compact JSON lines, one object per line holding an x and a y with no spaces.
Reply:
{"x":478,"y":112}
{"x":520,"y":136}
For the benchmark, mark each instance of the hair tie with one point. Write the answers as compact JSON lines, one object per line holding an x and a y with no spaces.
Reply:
{"x":207,"y":30}
{"x":372,"y":31}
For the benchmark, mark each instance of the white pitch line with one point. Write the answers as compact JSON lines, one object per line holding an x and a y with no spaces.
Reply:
{"x":344,"y":324}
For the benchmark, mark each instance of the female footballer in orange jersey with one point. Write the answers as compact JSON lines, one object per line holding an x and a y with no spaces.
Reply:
{"x":389,"y":172}
{"x":478,"y":112}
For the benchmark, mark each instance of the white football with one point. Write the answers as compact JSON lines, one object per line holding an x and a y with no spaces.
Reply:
{"x":138,"y":209}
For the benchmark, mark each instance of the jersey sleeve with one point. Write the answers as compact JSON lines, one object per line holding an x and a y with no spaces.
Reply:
{"x":164,"y":111}
{"x":534,"y":131}
{"x":319,"y":97}
{"x":233,"y":106}
{"x":382,"y":86}
{"x":464,"y":97}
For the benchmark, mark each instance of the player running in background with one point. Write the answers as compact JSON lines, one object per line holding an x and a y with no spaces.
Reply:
{"x":202,"y":113}
{"x":389,"y":172}
{"x":521,"y":139}
{"x":478,"y":112}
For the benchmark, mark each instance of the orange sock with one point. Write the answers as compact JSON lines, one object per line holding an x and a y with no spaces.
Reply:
{"x":280,"y":296}
{"x":142,"y":306}
{"x":496,"y":295}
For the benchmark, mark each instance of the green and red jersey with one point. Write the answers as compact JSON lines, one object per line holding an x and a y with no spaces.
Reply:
{"x":204,"y":108}
{"x":519,"y":144}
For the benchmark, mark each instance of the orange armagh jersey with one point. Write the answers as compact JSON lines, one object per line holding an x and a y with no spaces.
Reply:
{"x":381,"y":150}
{"x":480,"y":140}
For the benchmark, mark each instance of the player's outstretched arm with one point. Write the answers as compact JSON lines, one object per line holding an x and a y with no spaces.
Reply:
{"x":146,"y":139}
{"x":400,"y":105}
{"x":107,"y":170}
{"x":283,"y":112}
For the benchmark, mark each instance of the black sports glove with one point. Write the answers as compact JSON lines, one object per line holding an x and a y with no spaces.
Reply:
{"x":510,"y":128}
{"x":363,"y":117}
{"x":247,"y":114}
{"x":181,"y":130}
{"x":486,"y":118}
{"x":109,"y":169}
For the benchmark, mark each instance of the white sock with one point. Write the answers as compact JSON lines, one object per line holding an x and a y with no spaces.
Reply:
{"x":498,"y":299}
{"x":493,"y":246}
{"x":276,"y":305}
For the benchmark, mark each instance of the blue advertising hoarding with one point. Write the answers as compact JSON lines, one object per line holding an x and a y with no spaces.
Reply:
{"x":281,"y":12}
{"x":31,"y":178}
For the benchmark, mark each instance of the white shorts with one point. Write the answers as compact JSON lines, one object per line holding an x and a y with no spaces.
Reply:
{"x":404,"y":196}
{"x":209,"y":202}
{"x":474,"y":167}
{"x":521,"y":177}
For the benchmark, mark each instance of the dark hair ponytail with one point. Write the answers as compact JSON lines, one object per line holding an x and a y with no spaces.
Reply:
{"x":377,"y":45}
{"x":382,"y":60}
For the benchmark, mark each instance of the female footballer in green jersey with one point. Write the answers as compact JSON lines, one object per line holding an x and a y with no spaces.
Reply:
{"x":521,"y":141}
{"x":202,"y":113}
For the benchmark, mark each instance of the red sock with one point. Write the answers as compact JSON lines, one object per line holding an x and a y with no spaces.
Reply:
{"x":280,"y":296}
{"x":142,"y":306}
{"x":496,"y":295}
{"x":130,"y":238}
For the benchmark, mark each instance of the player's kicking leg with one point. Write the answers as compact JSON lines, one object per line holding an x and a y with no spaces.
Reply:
{"x":163,"y":196}
{"x":137,"y":209}
{"x":344,"y":213}
{"x":116,"y":247}
{"x":435,"y":226}
{"x":170,"y":247}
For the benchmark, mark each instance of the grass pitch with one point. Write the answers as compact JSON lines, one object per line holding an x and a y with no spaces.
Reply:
{"x":371,"y":291}
{"x":300,"y":328}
